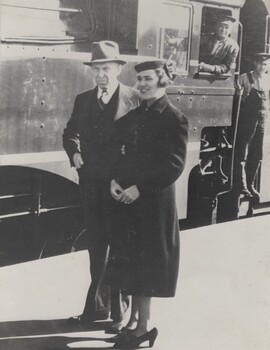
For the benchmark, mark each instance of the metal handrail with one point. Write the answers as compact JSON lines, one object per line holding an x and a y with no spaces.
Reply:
{"x":57,"y":9}
{"x":41,"y":211}
{"x":267,"y":35}
{"x":45,"y":41}
{"x":239,"y":54}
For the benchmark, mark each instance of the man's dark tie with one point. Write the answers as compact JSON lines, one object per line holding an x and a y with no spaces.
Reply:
{"x":103,"y":93}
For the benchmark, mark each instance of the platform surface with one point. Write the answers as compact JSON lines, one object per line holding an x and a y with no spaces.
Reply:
{"x":222,"y":301}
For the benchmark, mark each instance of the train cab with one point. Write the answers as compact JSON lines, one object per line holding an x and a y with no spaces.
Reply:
{"x":206,"y":99}
{"x":43,"y":47}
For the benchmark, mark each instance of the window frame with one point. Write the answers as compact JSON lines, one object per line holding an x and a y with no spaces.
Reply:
{"x":161,"y":31}
{"x":207,"y":75}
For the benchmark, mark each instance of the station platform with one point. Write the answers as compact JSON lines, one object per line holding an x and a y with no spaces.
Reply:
{"x":222,"y":300}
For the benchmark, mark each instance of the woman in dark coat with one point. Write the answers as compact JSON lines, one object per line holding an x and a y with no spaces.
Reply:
{"x":150,"y":155}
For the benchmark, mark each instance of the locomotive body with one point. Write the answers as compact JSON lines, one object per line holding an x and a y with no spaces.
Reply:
{"x":43,"y":47}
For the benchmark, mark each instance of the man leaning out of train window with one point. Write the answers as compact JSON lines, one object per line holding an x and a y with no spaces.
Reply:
{"x":218,"y":51}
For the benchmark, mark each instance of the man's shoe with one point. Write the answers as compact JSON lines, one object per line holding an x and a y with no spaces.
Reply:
{"x":246,"y":193}
{"x":114,"y":328}
{"x":85,"y":319}
{"x":254,"y":193}
{"x":79,"y":320}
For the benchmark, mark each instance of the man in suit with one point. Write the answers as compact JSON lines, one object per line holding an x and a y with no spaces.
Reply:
{"x":87,"y":140}
{"x":218,"y":52}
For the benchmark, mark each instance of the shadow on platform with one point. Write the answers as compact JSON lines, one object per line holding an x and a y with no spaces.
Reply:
{"x":49,"y":343}
{"x":48,"y":335}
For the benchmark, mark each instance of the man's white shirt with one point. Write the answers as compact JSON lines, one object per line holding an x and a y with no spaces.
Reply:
{"x":107,"y":94}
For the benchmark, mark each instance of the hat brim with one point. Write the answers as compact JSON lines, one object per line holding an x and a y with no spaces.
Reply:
{"x":225,"y":19}
{"x":149,"y":65}
{"x":263,"y":56}
{"x":104,"y":60}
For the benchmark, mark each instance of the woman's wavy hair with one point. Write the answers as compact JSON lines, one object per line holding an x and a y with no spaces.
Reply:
{"x":163,"y":79}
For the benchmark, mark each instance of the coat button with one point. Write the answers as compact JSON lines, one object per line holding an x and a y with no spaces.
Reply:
{"x":123,"y":150}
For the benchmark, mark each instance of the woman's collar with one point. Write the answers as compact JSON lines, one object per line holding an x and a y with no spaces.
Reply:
{"x":158,"y":105}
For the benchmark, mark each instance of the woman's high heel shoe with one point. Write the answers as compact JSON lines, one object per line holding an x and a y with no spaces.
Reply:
{"x":119,"y":336}
{"x":129,"y":341}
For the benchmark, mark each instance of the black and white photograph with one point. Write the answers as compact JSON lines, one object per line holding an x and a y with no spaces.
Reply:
{"x":134,"y":174}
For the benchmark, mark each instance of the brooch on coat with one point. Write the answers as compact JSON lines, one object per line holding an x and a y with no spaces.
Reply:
{"x":123,"y":150}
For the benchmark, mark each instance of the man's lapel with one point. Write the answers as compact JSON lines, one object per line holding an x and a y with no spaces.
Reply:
{"x":88,"y":110}
{"x":124,"y":102}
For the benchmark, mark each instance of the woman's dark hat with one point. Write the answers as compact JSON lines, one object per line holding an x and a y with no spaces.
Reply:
{"x":157,"y":64}
{"x":140,"y":67}
{"x":262,"y":56}
{"x":105,"y":51}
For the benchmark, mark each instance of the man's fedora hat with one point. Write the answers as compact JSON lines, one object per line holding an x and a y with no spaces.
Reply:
{"x":105,"y":51}
{"x":262,"y":56}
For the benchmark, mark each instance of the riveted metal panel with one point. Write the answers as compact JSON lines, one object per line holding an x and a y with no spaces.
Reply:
{"x":36,"y":100}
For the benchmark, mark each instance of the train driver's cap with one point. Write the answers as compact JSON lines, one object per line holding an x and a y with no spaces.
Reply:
{"x":140,"y":67}
{"x":225,"y":19}
{"x":105,"y":51}
{"x":262,"y":56}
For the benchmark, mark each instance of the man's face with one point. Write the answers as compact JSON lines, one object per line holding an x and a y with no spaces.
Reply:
{"x":223,"y":29}
{"x":262,"y":66}
{"x":106,"y":74}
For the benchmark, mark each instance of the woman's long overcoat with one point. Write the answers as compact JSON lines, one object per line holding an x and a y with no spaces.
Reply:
{"x":150,"y":153}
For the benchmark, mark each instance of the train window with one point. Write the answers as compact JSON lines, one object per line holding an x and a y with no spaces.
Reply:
{"x":80,"y":23}
{"x":209,"y":16}
{"x":218,"y":52}
{"x":30,"y":20}
{"x":166,"y":33}
{"x":103,"y":20}
{"x":174,"y":34}
{"x":124,"y":25}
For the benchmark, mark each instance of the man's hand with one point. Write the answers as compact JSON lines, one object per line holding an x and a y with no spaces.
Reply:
{"x":130,"y":194}
{"x":116,"y":190}
{"x":78,"y":161}
{"x":204,"y":67}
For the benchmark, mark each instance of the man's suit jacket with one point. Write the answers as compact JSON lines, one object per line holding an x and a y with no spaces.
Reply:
{"x":84,"y":128}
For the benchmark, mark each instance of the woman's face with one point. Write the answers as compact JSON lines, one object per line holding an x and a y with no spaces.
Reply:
{"x":147,"y":84}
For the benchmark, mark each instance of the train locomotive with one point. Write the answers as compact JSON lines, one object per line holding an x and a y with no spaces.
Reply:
{"x":43,"y":47}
